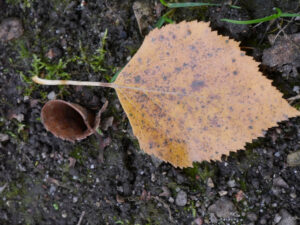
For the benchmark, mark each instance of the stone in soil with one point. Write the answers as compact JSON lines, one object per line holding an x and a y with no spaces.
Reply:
{"x":181,"y":198}
{"x":283,"y":54}
{"x":10,"y":28}
{"x":4,"y":137}
{"x":278,"y":185}
{"x":210,"y":183}
{"x":279,"y":182}
{"x":286,"y":218}
{"x":293,"y":159}
{"x":252,"y":217}
{"x":223,"y":208}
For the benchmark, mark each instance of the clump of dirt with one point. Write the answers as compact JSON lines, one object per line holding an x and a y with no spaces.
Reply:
{"x":44,"y":180}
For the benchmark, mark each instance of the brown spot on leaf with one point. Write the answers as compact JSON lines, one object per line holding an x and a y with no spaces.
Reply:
{"x":137,"y":79}
{"x":197,"y":85}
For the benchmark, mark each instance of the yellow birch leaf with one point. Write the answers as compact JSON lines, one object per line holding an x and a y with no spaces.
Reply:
{"x":193,"y":95}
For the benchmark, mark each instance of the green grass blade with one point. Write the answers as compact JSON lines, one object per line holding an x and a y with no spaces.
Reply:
{"x":163,"y":2}
{"x":289,"y":15}
{"x":190,"y":4}
{"x":264,"y":19}
{"x":235,"y":7}
{"x":168,"y":20}
{"x":164,"y":19}
{"x":115,"y":76}
{"x":160,"y":22}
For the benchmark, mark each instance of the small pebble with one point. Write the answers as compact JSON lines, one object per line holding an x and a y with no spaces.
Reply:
{"x":210,"y":183}
{"x":262,"y":221}
{"x":293,"y":159}
{"x":286,"y":218}
{"x":223,"y":193}
{"x":108,"y":122}
{"x":296,"y":89}
{"x":51,"y":95}
{"x":10,"y":28}
{"x":197,"y":221}
{"x":4,"y":137}
{"x":75,"y":199}
{"x":293,"y":195}
{"x":279,"y":182}
{"x":181,"y":198}
{"x":64,"y":214}
{"x":213,"y":219}
{"x":231,"y":183}
{"x":277,"y":154}
{"x":52,"y":189}
{"x":171,"y":200}
{"x":120,"y":189}
{"x":44,"y":155}
{"x":223,"y":208}
{"x":19,"y":117}
{"x":277,"y":218}
{"x":153,"y":178}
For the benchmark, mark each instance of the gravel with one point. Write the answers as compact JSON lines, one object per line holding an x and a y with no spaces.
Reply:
{"x":181,"y":198}
{"x":223,"y":208}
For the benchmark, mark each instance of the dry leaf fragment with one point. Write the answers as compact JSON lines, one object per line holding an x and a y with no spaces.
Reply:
{"x":193,"y":95}
{"x":144,"y":16}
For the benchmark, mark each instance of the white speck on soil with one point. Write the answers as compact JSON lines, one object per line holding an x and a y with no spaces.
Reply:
{"x":51,"y":95}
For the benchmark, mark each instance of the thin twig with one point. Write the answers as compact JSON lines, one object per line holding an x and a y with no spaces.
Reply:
{"x":266,"y":31}
{"x":281,"y":29}
{"x":81,"y":217}
{"x":166,"y":206}
{"x":3,"y":187}
{"x":292,"y":99}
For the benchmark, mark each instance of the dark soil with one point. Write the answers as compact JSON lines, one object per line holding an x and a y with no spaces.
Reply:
{"x":44,"y":180}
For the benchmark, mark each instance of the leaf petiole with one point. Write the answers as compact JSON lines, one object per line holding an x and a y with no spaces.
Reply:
{"x":39,"y":80}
